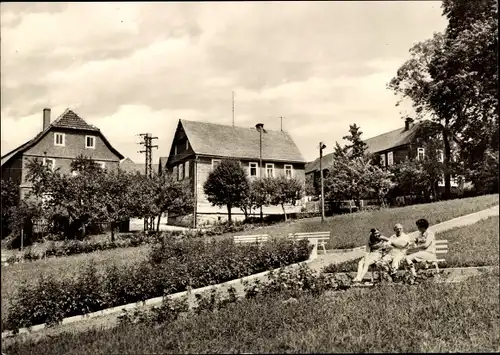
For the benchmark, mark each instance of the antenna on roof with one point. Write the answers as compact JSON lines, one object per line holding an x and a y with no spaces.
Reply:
{"x":233,"y":108}
{"x":281,"y":123}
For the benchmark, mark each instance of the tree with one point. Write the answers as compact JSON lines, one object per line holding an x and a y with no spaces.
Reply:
{"x":356,"y":179}
{"x":78,"y":199}
{"x":171,"y":195}
{"x":283,"y":190}
{"x":10,"y":199}
{"x":116,"y":198}
{"x":453,"y":78}
{"x":227,"y":185}
{"x":357,"y":147}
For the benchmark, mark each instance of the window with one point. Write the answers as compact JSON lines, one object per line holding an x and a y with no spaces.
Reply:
{"x":50,"y":162}
{"x":440,"y":156}
{"x":390,"y":158}
{"x":215,"y":163}
{"x":175,"y":149}
{"x":253,"y":169}
{"x":420,"y":153}
{"x":454,"y":180}
{"x":269,"y":170}
{"x":59,"y":139}
{"x":187,"y":144}
{"x":186,"y":172}
{"x":288,"y":171}
{"x":382,"y":159}
{"x":175,"y":172}
{"x":90,"y":142}
{"x":101,"y":164}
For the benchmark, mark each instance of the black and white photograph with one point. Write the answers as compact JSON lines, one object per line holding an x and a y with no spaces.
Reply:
{"x":249,"y":177}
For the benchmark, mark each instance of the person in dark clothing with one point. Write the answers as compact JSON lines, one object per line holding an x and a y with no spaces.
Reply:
{"x":374,"y":252}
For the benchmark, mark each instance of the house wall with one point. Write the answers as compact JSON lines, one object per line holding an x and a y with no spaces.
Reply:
{"x":13,"y":170}
{"x":204,"y":167}
{"x":74,"y":146}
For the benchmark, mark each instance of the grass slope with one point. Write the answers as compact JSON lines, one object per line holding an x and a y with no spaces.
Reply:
{"x":347,"y":231}
{"x":425,"y":318}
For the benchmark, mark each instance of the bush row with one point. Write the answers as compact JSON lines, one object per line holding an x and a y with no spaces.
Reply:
{"x":172,"y":266}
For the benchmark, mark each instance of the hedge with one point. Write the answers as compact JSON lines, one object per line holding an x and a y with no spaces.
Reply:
{"x":172,"y":266}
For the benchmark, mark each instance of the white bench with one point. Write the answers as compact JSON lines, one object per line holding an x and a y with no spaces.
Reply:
{"x":318,"y":239}
{"x":251,"y":239}
{"x":441,"y":249}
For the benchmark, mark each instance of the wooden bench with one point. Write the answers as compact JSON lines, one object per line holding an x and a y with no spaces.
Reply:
{"x":319,"y":238}
{"x":251,"y":239}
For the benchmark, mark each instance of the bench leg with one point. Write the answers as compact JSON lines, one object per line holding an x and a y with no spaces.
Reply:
{"x":436,"y":266}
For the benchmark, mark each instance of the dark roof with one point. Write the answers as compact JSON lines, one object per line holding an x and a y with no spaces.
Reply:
{"x":380,"y":143}
{"x":68,"y":120}
{"x":238,"y":142}
{"x":71,"y":120}
{"x":130,"y":166}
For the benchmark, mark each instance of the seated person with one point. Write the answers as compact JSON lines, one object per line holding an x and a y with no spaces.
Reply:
{"x":373,"y":253}
{"x":398,"y":244}
{"x":425,"y":243}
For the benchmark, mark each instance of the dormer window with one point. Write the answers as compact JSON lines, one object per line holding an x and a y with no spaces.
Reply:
{"x":90,"y":142}
{"x":59,"y":139}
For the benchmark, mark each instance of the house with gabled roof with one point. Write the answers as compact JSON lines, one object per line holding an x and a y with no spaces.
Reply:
{"x":389,"y":148}
{"x":59,"y":143}
{"x":198,"y":147}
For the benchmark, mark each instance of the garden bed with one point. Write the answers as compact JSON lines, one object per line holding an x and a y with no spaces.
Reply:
{"x":172,"y":266}
{"x":421,"y":318}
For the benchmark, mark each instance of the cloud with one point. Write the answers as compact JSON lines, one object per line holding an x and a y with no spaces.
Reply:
{"x":140,"y":67}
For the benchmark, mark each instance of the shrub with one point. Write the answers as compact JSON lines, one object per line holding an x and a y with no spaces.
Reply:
{"x":168,"y":312}
{"x":173,"y":265}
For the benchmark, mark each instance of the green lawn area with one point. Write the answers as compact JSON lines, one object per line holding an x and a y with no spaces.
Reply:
{"x":429,"y":317}
{"x":474,"y":245}
{"x":348,"y":230}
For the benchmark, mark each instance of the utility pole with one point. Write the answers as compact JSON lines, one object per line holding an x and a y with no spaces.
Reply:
{"x":321,"y":147}
{"x":281,"y":123}
{"x":148,"y":171}
{"x":260,"y":127}
{"x":233,"y":108}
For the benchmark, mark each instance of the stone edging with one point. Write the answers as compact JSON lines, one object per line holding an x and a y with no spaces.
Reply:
{"x":150,"y":302}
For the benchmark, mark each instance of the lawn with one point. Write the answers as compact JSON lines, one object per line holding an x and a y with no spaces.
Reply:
{"x":463,"y":317}
{"x":347,"y":231}
{"x":474,"y":245}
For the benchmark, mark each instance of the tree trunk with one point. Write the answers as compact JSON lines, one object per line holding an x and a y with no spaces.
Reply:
{"x":158,"y":223}
{"x":447,"y":158}
{"x":229,"y":213}
{"x":284,"y":212}
{"x":112,"y":231}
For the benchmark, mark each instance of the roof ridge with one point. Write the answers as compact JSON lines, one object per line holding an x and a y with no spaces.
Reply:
{"x":230,"y":126}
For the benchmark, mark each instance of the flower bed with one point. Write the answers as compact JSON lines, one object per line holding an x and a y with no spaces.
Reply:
{"x":173,"y":265}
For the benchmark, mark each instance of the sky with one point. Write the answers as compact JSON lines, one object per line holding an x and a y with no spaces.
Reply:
{"x":131,"y":68}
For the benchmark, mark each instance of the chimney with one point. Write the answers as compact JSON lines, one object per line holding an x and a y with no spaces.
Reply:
{"x":259,"y":126}
{"x":408,"y":122}
{"x":46,"y":118}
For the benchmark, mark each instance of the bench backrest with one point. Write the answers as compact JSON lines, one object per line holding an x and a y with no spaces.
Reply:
{"x":313,"y":235}
{"x":441,"y":246}
{"x":248,"y":239}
